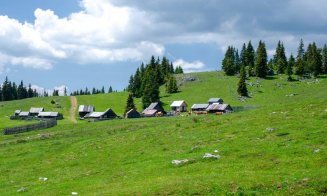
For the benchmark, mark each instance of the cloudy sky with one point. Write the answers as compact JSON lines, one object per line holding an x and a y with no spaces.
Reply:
{"x":79,"y":43}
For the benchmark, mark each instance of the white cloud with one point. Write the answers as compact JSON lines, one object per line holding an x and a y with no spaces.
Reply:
{"x":194,"y":66}
{"x":107,"y":31}
{"x":99,"y":33}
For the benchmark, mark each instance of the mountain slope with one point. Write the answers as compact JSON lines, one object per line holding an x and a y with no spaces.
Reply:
{"x":276,"y":147}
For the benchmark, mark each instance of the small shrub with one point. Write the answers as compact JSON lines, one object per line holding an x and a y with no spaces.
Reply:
{"x":53,"y":101}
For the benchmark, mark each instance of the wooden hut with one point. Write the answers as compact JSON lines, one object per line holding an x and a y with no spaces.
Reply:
{"x":108,"y":114}
{"x":132,"y":114}
{"x":179,"y":106}
{"x":199,"y":107}
{"x":153,"y":110}
{"x":17,"y":112}
{"x":215,"y":100}
{"x":216,"y":107}
{"x":85,"y":109}
{"x":36,"y":111}
{"x":50,"y":115}
{"x":24,"y":115}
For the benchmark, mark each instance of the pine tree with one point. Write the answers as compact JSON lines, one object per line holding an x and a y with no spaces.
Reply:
{"x":289,"y":68}
{"x":324,"y":59}
{"x":6,"y":90}
{"x":151,"y":86}
{"x":261,"y":67}
{"x":129,"y":103}
{"x":102,"y":90}
{"x":242,"y":89}
{"x":250,"y":58}
{"x":243,"y":56}
{"x":280,"y":59}
{"x":171,"y":85}
{"x":312,"y":59}
{"x":229,"y":61}
{"x":110,"y":89}
{"x":299,"y":64}
{"x":237,"y":63}
{"x":14,"y":91}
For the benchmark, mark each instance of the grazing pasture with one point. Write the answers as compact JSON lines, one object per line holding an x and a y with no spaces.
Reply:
{"x":276,"y":145}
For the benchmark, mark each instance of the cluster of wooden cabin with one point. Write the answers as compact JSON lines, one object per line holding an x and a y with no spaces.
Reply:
{"x":36,"y":113}
{"x":214,"y":105}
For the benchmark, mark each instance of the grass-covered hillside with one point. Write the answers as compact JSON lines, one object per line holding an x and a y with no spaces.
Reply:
{"x":278,"y":147}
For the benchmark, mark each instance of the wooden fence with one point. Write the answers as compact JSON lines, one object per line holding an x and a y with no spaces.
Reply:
{"x":32,"y":127}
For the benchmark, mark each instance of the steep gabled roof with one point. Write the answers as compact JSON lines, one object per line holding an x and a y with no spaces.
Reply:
{"x":178,"y":103}
{"x":85,"y":108}
{"x":215,"y":100}
{"x":36,"y":110}
{"x":199,"y":106}
{"x":24,"y":114}
{"x":153,"y":106}
{"x":217,"y":106}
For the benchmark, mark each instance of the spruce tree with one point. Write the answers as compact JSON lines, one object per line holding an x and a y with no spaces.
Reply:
{"x":243,"y":55}
{"x":229,"y":61}
{"x":280,"y":59}
{"x":110,"y":89}
{"x":289,"y":68}
{"x":151,"y":86}
{"x":250,"y":58}
{"x":242,"y":89}
{"x":313,"y":59}
{"x":129,"y":103}
{"x":171,"y":85}
{"x":261,"y":67}
{"x":324,"y":59}
{"x":299,"y":64}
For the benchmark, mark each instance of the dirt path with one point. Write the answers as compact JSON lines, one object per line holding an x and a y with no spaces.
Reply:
{"x":72,"y":110}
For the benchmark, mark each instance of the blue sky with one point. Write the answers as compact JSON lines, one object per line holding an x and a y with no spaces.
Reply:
{"x":79,"y":43}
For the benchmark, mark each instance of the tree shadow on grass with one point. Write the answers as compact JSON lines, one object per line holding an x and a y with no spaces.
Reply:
{"x":271,"y":78}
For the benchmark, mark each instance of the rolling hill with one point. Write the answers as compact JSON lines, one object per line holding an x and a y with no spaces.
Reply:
{"x":276,"y":145}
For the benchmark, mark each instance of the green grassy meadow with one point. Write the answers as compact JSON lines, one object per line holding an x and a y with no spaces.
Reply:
{"x":277,"y":147}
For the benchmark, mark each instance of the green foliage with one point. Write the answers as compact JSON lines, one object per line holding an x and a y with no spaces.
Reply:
{"x":289,"y":68}
{"x":171,"y":85}
{"x":229,"y":63}
{"x":179,"y":70}
{"x":242,"y":89}
{"x":313,"y":60}
{"x":324,"y":59}
{"x":129,"y":103}
{"x":261,"y":67}
{"x":280,"y":60}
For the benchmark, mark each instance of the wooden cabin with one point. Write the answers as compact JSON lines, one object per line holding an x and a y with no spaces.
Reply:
{"x":179,"y":106}
{"x":132,"y":114}
{"x":153,"y":110}
{"x":24,"y":115}
{"x":216,"y":107}
{"x":85,"y":109}
{"x":199,"y":107}
{"x":50,"y":115}
{"x":106,"y":115}
{"x":17,"y":112}
{"x":215,"y":100}
{"x":35,"y":111}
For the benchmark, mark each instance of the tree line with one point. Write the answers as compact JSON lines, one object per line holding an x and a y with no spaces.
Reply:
{"x":148,"y":78}
{"x":94,"y":91}
{"x":309,"y":62}
{"x":11,"y":91}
